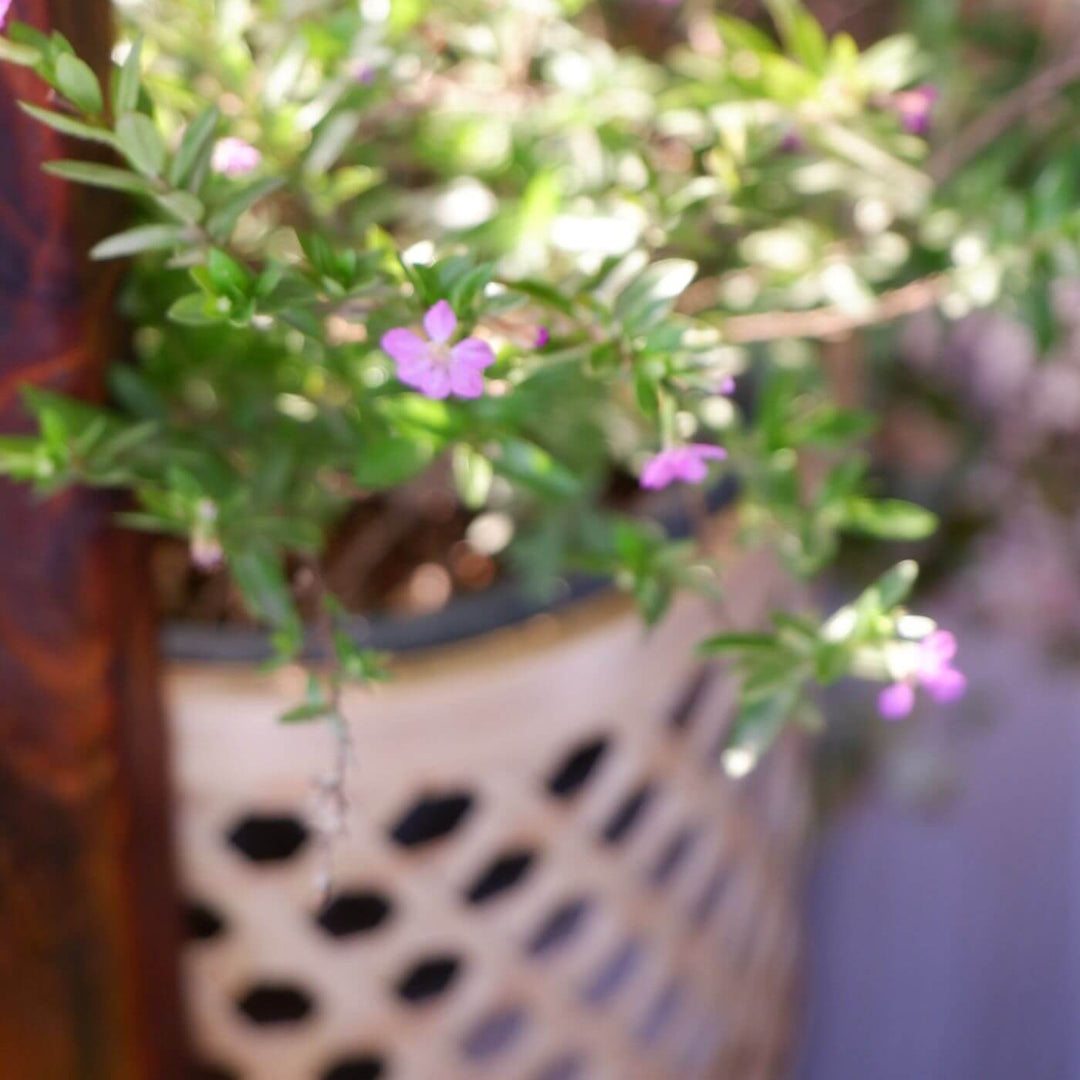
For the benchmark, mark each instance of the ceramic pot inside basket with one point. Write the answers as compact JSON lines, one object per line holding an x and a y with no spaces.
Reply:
{"x":545,"y":874}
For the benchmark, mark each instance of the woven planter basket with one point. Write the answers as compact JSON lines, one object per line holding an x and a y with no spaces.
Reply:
{"x":546,"y":876}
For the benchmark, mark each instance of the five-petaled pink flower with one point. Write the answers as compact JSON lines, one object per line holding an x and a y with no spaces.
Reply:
{"x":688,"y":464}
{"x":5,"y":7}
{"x":934,"y":672}
{"x":435,"y":367}
{"x":234,"y":157}
{"x":542,"y":338}
{"x":914,"y":108}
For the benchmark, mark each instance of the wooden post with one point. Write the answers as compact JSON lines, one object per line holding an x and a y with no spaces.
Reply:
{"x":88,"y":912}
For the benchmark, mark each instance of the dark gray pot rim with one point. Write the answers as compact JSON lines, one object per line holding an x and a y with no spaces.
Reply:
{"x":497,"y":608}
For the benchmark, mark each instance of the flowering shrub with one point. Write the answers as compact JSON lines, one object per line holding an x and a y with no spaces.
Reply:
{"x":375,"y":238}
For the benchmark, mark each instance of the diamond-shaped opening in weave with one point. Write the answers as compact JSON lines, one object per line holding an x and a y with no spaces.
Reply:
{"x":275,"y":1003}
{"x":429,"y":978}
{"x":265,"y":838}
{"x":615,"y":973}
{"x":660,"y":1014}
{"x":352,"y":913}
{"x":494,"y":1034}
{"x":560,"y":927}
{"x":577,"y":768}
{"x":202,"y":922}
{"x":674,"y":855}
{"x":629,"y":814}
{"x":430,"y":818}
{"x":685,"y":709}
{"x":569,"y":1066}
{"x":505,"y":872}
{"x":360,"y":1067}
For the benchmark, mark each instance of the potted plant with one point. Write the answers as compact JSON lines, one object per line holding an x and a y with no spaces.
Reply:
{"x":445,"y":315}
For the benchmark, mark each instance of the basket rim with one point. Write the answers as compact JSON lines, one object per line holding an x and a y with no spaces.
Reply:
{"x":464,"y":619}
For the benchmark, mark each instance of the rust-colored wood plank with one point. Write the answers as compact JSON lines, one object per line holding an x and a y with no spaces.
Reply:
{"x":88,"y":923}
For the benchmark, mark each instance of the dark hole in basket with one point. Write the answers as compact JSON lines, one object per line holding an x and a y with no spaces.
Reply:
{"x":686,"y":707}
{"x":201,"y":921}
{"x":614,"y":973}
{"x":268,"y":838}
{"x":431,"y":818}
{"x":364,"y":1067}
{"x":354,"y":913}
{"x":674,"y":854}
{"x":710,"y":897}
{"x":504,"y":873}
{"x":560,"y":926}
{"x":566,"y":1067}
{"x":275,"y":1003}
{"x":429,"y":979}
{"x":572,"y":775}
{"x":660,"y":1014}
{"x":494,"y":1034}
{"x":629,"y":814}
{"x":204,"y":1071}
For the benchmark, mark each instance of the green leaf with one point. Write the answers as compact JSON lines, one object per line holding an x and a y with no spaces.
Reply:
{"x":888,"y":519}
{"x":104,"y":176}
{"x":142,"y":238}
{"x":195,"y":309}
{"x":23,"y":55}
{"x":77,"y":82}
{"x":224,"y":218}
{"x":756,"y":727}
{"x":261,"y":580}
{"x":801,"y":33}
{"x":543,"y":293}
{"x":303,"y":714}
{"x":67,"y":126}
{"x":141,"y":143}
{"x":468,"y":289}
{"x":126,"y":93}
{"x":740,"y":34}
{"x":228,"y":277}
{"x":653,"y":596}
{"x":723,"y":643}
{"x":895,"y":585}
{"x":196,"y":144}
{"x":533,"y":467}
{"x":181,"y":205}
{"x":652,"y":294}
{"x":833,"y":427}
{"x":388,"y":460}
{"x":473,"y":474}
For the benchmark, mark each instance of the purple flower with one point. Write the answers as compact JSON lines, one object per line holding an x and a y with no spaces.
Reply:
{"x":206,"y":550}
{"x":727,"y":386}
{"x":436,"y":368}
{"x":543,"y":336}
{"x":686,"y":464}
{"x":934,"y":672}
{"x":5,"y":7}
{"x":792,"y":143}
{"x":896,"y":701}
{"x":363,"y":73}
{"x":234,"y":157}
{"x":914,"y":108}
{"x":206,"y":553}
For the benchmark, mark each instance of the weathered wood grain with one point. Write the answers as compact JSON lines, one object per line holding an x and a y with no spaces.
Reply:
{"x":88,"y":986}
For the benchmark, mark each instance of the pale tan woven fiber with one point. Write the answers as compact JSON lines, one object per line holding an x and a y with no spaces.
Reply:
{"x":714,"y":946}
